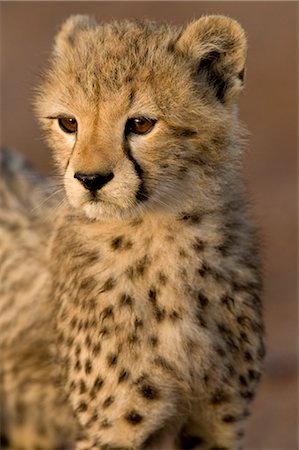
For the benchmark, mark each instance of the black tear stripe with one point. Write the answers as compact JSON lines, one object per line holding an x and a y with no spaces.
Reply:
{"x":142,"y":194}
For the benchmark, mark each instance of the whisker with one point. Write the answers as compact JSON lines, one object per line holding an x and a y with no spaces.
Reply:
{"x":58,"y":191}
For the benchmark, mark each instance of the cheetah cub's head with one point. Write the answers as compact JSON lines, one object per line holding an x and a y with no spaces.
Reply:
{"x":141,"y":116}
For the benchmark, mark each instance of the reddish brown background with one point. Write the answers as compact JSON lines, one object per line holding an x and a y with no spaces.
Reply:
{"x":268,"y":107}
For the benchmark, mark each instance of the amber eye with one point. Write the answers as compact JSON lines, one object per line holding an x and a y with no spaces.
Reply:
{"x":139,"y":125}
{"x":68,"y":124}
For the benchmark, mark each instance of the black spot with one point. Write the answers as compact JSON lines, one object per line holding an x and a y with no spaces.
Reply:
{"x":203,"y":270}
{"x":70,"y":341}
{"x":123,"y":375}
{"x":191,"y":217}
{"x":139,"y":269}
{"x":88,"y":341}
{"x":98,"y":383}
{"x":174,"y":316}
{"x":104,"y":332}
{"x":133,"y":338}
{"x":242,"y":380}
{"x":149,"y":392}
{"x":162,"y":278}
{"x":111,"y":359}
{"x":86,"y":325}
{"x":88,"y":283}
{"x":88,"y":366}
{"x":73,"y":385}
{"x":152,"y":294}
{"x":117,"y":242}
{"x":91,"y":304}
{"x":142,"y":265}
{"x":108,"y":401}
{"x":228,"y":337}
{"x":94,"y":418}
{"x":159,"y":314}
{"x":248,"y":395}
{"x":120,"y":243}
{"x":108,"y":285}
{"x":80,"y":325}
{"x":231,"y":370}
{"x":138,"y":323}
{"x":254,"y":375}
{"x":219,"y":397}
{"x":60,"y":338}
{"x":77,"y":366}
{"x":244,"y":321}
{"x":125,"y":300}
{"x":107,"y":313}
{"x":198,"y":245}
{"x":82,"y":407}
{"x":203,"y":300}
{"x":224,"y":248}
{"x":153,"y":341}
{"x":74,"y":322}
{"x":82,"y":387}
{"x":134,"y":418}
{"x":244,"y":337}
{"x":105,"y":423}
{"x":248,"y":356}
{"x":96,"y":349}
{"x":228,"y":301}
{"x":201,"y":320}
{"x":228,"y":418}
{"x":137,"y":221}
{"x":220,"y":351}
{"x":182,"y":253}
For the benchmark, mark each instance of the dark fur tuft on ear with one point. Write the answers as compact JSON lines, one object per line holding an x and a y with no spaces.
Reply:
{"x":217,"y":47}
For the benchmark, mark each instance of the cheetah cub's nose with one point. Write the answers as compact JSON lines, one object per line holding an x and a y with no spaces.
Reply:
{"x":93,"y":181}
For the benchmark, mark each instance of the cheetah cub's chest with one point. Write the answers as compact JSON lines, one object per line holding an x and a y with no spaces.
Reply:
{"x":133,"y":287}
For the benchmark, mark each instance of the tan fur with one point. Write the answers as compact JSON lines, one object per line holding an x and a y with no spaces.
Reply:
{"x":153,"y":280}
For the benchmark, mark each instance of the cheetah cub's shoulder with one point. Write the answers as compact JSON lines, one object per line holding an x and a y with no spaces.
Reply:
{"x":154,"y":262}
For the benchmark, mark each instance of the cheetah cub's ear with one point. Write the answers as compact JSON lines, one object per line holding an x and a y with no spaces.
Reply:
{"x":217,"y":47}
{"x":70,"y":31}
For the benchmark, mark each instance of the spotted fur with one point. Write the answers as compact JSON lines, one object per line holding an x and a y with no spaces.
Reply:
{"x":150,"y":285}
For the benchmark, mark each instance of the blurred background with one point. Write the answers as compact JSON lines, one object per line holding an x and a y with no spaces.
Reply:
{"x":268,"y":107}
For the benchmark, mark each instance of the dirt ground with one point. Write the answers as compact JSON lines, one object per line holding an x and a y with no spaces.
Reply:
{"x":269,"y":109}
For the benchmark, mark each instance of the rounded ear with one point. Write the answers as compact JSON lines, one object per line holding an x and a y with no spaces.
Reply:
{"x":217,"y":46}
{"x":71,"y":28}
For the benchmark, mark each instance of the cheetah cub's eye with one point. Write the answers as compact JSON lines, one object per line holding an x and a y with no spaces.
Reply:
{"x":139,"y":125}
{"x":68,"y":124}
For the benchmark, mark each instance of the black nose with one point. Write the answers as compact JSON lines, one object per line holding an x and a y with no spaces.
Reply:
{"x":93,"y":181}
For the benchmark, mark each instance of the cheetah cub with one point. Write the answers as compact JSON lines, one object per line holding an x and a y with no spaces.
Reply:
{"x":154,"y":264}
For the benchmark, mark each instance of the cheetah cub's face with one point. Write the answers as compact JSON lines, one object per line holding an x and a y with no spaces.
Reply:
{"x":139,"y":114}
